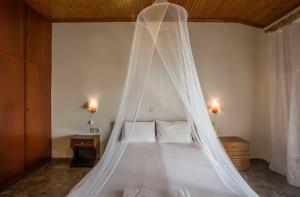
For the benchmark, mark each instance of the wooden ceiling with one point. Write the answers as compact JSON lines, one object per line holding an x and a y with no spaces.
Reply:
{"x":258,"y":13}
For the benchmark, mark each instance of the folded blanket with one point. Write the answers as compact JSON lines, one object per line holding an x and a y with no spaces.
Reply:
{"x":136,"y":192}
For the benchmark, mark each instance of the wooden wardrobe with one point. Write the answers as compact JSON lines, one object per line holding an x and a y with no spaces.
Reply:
{"x":25,"y":90}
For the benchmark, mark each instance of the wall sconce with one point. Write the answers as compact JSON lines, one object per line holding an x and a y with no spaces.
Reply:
{"x":215,"y":106}
{"x":92,"y":106}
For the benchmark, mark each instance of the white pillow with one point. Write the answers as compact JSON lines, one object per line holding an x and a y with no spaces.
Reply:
{"x":174,"y":132}
{"x":142,"y":132}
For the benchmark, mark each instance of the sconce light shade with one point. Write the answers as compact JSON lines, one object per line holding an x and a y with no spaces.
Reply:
{"x":215,"y":106}
{"x":92,"y":106}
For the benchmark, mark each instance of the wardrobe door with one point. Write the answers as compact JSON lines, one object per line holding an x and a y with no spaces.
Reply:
{"x":38,"y":39}
{"x":12,"y":72}
{"x":11,"y":118}
{"x":38,"y":89}
{"x":38,"y":114}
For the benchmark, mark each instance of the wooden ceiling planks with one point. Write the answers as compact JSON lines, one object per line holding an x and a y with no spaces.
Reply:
{"x":258,"y":13}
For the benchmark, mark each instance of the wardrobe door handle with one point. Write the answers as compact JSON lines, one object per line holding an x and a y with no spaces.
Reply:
{"x":27,"y":109}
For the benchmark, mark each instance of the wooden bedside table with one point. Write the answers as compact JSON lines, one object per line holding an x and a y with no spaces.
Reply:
{"x":86,"y":150}
{"x":237,"y":150}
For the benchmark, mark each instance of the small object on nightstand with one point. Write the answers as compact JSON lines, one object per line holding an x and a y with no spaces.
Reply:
{"x":237,"y":150}
{"x":86,"y":150}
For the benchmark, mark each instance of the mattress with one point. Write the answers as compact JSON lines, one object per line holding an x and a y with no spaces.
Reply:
{"x":165,"y":167}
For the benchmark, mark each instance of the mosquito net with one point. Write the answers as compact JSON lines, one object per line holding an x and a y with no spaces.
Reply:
{"x":162,"y":68}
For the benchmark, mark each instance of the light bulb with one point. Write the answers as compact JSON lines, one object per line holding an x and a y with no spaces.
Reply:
{"x":93,"y":106}
{"x":215,"y":106}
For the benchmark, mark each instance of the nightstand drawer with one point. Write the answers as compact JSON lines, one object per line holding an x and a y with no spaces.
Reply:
{"x":238,"y":154}
{"x":82,"y":143}
{"x":237,"y":150}
{"x":235,"y":146}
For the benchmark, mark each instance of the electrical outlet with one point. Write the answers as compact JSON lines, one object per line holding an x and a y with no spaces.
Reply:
{"x":95,"y":130}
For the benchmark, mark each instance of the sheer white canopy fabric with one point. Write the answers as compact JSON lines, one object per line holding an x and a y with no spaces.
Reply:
{"x":284,"y":72}
{"x":161,"y":40}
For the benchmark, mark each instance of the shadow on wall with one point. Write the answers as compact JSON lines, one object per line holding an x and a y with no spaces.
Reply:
{"x":60,"y":143}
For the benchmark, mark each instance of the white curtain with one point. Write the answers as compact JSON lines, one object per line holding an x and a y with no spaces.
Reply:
{"x":284,"y":72}
{"x":161,"y":35}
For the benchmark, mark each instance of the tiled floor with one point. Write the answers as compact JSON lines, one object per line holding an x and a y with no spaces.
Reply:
{"x":268,"y":183}
{"x":55,"y":179}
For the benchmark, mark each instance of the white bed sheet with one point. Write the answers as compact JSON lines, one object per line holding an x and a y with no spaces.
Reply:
{"x":163,"y":167}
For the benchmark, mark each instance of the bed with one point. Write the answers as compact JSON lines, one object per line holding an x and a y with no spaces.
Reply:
{"x":161,"y":166}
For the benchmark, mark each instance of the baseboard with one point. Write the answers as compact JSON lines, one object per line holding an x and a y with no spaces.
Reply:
{"x":24,"y":174}
{"x":61,"y":158}
{"x":260,"y":159}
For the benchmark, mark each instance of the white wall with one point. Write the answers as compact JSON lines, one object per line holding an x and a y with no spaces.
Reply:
{"x":90,"y":61}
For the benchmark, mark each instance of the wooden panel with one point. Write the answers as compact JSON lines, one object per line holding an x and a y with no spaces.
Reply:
{"x":11,"y":117}
{"x":233,"y":154}
{"x":237,"y":150}
{"x":12,"y":84}
{"x":38,"y":40}
{"x":12,"y":28}
{"x":230,"y":139}
{"x":38,"y":114}
{"x":235,"y":146}
{"x":259,"y":13}
{"x":38,"y":88}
